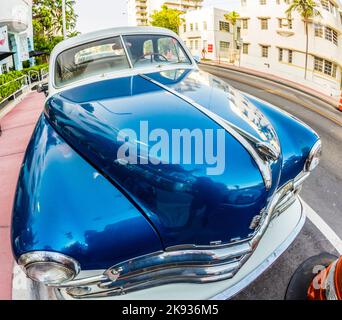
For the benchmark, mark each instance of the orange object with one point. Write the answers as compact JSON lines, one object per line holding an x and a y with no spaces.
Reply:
{"x":327,"y":284}
{"x":340,"y":103}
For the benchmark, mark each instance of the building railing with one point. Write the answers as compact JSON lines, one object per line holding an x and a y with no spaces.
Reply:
{"x":12,"y":89}
{"x":15,"y":87}
{"x":44,"y":73}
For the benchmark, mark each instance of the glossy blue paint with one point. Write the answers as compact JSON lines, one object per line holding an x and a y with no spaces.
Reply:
{"x":184,"y":204}
{"x":296,"y":139}
{"x":258,"y":118}
{"x":63,"y":204}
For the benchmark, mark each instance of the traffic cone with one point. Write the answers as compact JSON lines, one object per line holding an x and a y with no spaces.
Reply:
{"x":327,"y":285}
{"x":340,"y":103}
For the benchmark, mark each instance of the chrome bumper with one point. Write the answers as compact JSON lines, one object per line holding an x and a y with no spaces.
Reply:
{"x":282,"y":230}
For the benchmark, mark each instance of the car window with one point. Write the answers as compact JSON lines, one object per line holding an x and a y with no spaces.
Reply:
{"x":146,"y":50}
{"x":169,"y":48}
{"x":97,"y":57}
{"x":148,"y":46}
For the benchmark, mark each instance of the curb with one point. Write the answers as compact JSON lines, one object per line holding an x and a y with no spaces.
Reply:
{"x":293,"y":85}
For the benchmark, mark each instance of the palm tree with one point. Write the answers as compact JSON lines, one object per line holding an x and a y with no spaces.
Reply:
{"x":232,"y":17}
{"x":307,"y":10}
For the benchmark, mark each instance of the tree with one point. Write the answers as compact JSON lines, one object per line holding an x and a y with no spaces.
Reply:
{"x":167,"y":18}
{"x":232,"y":17}
{"x":47,"y":23}
{"x":307,"y":10}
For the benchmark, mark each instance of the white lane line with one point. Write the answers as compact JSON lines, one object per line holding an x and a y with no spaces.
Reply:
{"x":322,"y":226}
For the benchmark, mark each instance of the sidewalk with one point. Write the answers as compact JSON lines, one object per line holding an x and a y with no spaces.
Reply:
{"x":330,"y":100}
{"x":17,"y":127}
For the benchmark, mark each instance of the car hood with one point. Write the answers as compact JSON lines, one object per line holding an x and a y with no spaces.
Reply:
{"x":183,"y":202}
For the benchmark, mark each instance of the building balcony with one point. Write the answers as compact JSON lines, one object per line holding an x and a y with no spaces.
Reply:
{"x":16,"y":15}
{"x":285,"y":32}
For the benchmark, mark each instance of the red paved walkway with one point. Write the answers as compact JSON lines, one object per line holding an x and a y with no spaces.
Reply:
{"x":17,"y":127}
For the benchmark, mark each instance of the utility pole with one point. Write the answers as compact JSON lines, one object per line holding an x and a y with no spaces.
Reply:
{"x":63,"y":20}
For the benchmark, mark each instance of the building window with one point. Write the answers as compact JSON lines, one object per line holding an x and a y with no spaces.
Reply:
{"x":318,"y":30}
{"x":278,"y":1}
{"x":244,"y":23}
{"x":262,"y":2}
{"x":264,"y":24}
{"x":204,"y":25}
{"x":224,"y":46}
{"x":243,"y":2}
{"x":196,"y":44}
{"x":184,"y":27}
{"x":328,"y":34}
{"x":191,"y":27}
{"x":283,"y":22}
{"x":334,"y":70}
{"x":329,"y":6}
{"x":196,"y":26}
{"x":280,"y":54}
{"x":191,"y":44}
{"x":245,"y":48}
{"x":290,"y":56}
{"x":327,"y":67}
{"x":325,"y":4}
{"x":318,"y":64}
{"x":264,"y":51}
{"x":335,"y":38}
{"x":331,"y":35}
{"x":224,"y":26}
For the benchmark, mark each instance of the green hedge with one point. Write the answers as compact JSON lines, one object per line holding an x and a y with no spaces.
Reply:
{"x":7,"y":87}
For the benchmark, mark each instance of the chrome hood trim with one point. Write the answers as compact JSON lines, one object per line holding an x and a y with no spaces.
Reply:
{"x":262,"y":152}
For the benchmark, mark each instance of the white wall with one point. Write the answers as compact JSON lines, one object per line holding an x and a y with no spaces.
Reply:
{"x":211,"y":36}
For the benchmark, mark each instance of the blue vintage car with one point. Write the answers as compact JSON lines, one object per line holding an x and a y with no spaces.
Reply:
{"x":146,"y":177}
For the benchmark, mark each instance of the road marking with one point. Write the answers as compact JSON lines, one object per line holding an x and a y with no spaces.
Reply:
{"x":322,"y":226}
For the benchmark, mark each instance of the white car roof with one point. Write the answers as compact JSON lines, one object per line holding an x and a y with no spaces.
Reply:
{"x":101,"y":34}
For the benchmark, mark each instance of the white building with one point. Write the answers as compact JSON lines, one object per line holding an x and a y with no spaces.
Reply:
{"x":16,"y":35}
{"x":207,"y":28}
{"x":274,"y":44}
{"x":139,"y":11}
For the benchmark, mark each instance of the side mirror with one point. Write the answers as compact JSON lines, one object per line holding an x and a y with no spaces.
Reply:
{"x":197,"y":59}
{"x":43,"y":87}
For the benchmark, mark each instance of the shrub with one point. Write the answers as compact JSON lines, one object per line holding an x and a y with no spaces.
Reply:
{"x":7,"y":86}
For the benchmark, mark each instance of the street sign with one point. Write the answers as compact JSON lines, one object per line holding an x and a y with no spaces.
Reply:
{"x":210,"y":48}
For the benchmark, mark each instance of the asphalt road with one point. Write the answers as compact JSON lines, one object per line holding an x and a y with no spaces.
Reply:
{"x":323,"y":189}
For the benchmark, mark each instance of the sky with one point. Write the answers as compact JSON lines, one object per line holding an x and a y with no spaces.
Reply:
{"x":100,"y":14}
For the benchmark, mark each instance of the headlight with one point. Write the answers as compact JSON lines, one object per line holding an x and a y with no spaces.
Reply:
{"x":49,"y":267}
{"x":313,"y":159}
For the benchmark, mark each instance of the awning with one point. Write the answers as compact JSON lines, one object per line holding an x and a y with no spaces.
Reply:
{"x":4,"y":55}
{"x":36,"y":53}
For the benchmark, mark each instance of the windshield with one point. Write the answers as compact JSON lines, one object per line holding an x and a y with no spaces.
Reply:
{"x":148,"y":50}
{"x":108,"y":55}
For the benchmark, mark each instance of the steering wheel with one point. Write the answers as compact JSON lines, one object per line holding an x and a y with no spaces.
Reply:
{"x":152,"y":54}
